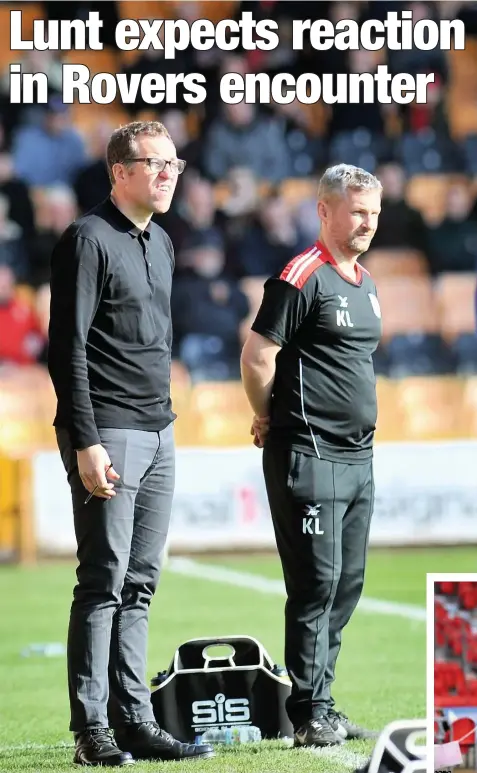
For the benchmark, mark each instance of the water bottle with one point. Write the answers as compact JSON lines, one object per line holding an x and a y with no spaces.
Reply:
{"x":159,"y":679}
{"x":47,"y":650}
{"x":231,"y":735}
{"x":281,"y":672}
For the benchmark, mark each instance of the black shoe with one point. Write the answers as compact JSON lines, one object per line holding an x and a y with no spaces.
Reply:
{"x":347,"y":729}
{"x":146,"y":741}
{"x":317,"y":732}
{"x":97,"y":746}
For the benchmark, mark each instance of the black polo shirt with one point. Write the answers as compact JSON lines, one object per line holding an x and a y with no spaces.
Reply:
{"x":110,"y":330}
{"x":324,"y":391}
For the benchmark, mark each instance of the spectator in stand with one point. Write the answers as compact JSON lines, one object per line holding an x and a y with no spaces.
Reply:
{"x":52,"y":152}
{"x":153,"y":60}
{"x":307,"y":219}
{"x":207,"y":309}
{"x":400,"y":226}
{"x":56,"y":208}
{"x":272,"y":240}
{"x":466,"y":11}
{"x":21,"y":338}
{"x":190,"y":150}
{"x":78,"y":9}
{"x":453,"y":241}
{"x":238,"y":209}
{"x":307,"y":151}
{"x":430,"y":115}
{"x":283,"y":58}
{"x":16,"y":192}
{"x":352,"y":116}
{"x":414,"y":61}
{"x":214,"y":64}
{"x":47,"y":62}
{"x":92,"y":184}
{"x":13,"y":247}
{"x":239,"y":135}
{"x":194,"y":215}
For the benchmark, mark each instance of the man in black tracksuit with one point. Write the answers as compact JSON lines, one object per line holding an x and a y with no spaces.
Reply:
{"x":308,"y":372}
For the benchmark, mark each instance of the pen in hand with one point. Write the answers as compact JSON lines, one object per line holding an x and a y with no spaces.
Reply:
{"x":90,"y":496}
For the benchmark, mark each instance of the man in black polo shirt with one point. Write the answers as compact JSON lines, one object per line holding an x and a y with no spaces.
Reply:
{"x":109,"y":359}
{"x":308,"y":372}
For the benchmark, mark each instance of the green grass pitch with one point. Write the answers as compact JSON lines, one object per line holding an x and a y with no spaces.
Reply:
{"x":381,"y":670}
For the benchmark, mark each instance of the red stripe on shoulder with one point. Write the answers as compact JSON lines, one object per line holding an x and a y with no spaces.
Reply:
{"x":292,"y":263}
{"x":299,"y":269}
{"x":307,"y":272}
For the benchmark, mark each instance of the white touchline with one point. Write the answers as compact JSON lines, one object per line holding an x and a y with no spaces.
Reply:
{"x":191,"y":568}
{"x":25,"y":747}
{"x":345,"y":757}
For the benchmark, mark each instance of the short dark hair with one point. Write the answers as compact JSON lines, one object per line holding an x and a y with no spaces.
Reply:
{"x":122,"y":143}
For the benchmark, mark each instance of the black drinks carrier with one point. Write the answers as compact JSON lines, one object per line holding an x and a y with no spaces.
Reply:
{"x":202,"y":689}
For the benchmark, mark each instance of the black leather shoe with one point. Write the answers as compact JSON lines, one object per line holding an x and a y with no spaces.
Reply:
{"x":146,"y":741}
{"x":347,"y":729}
{"x":317,"y":732}
{"x":97,"y":746}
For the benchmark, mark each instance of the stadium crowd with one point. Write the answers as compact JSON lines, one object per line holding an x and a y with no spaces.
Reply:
{"x":246,"y":202}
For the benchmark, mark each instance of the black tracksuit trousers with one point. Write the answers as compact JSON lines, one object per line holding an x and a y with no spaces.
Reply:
{"x":321,"y":512}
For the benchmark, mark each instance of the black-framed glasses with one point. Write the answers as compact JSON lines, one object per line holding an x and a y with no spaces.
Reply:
{"x":156,"y":165}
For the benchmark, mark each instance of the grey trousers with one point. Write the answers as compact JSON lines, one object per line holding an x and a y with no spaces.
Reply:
{"x":120,"y":547}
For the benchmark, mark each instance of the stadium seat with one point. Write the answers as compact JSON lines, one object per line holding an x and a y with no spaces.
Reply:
{"x":469,"y":149}
{"x":463,"y":731}
{"x":145,"y":9}
{"x":20,"y":424}
{"x":359,"y":147}
{"x":210,"y":9}
{"x":430,"y":407}
{"x":381,"y":361}
{"x":440,"y":612}
{"x":448,"y":588}
{"x":427,"y":193}
{"x":96,"y":61}
{"x":418,"y":354}
{"x":428,"y":152}
{"x":468,"y":595}
{"x":180,"y":395}
{"x":472,"y":687}
{"x":30,"y":12}
{"x":223,"y":191}
{"x":439,"y":635}
{"x":87,"y":117}
{"x":408,"y":305}
{"x":410,"y":327}
{"x":449,"y":678}
{"x":389,"y":424}
{"x":395,"y":262}
{"x":221,"y":414}
{"x":455,"y":293}
{"x":297,"y":189}
{"x":252,"y":286}
{"x":462,"y":65}
{"x":317,"y":117}
{"x":462,"y":118}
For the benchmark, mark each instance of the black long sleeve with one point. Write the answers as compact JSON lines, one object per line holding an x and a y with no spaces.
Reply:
{"x":77,"y":276}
